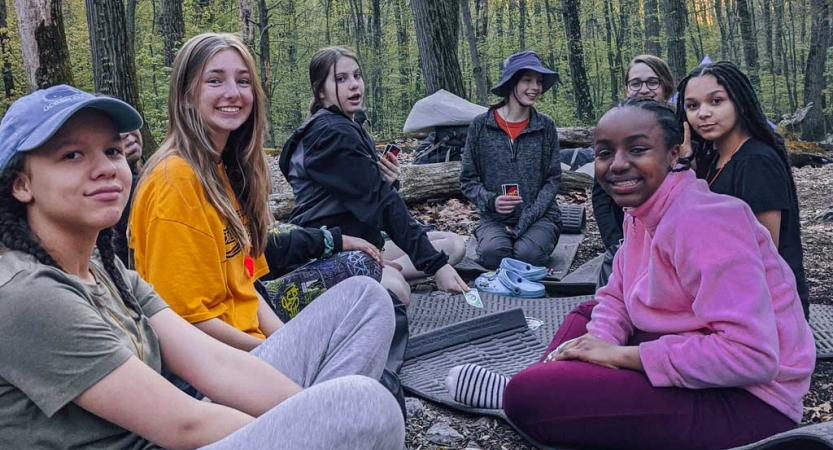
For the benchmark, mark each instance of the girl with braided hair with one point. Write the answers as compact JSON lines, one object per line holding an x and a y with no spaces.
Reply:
{"x":740,"y":155}
{"x":698,"y":340}
{"x":83,"y":340}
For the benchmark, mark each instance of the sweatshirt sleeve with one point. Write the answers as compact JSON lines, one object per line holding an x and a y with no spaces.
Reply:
{"x":725,"y":274}
{"x":470,"y":183}
{"x":366,"y":194}
{"x":289,"y":248}
{"x":545,"y":203}
{"x":610,"y":320}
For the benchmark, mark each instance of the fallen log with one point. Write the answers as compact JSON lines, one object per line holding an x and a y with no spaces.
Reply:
{"x":420,"y":183}
{"x":575,"y":137}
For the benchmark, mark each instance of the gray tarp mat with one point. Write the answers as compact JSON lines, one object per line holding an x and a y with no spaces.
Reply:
{"x":441,"y":108}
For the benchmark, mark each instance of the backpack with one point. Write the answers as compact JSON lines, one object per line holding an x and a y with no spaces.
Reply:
{"x":443,"y":145}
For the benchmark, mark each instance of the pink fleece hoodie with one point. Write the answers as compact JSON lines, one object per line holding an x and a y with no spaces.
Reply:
{"x":700,"y":269}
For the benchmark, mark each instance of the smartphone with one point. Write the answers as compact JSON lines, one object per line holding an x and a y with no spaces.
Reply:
{"x":511,"y":189}
{"x":391,"y":148}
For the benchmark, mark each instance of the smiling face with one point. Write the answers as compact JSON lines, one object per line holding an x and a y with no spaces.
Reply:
{"x":344,"y":86}
{"x":709,"y":110}
{"x":79,"y":180}
{"x":224,"y":96}
{"x":529,"y":88}
{"x":646,"y":78}
{"x":632,"y":159}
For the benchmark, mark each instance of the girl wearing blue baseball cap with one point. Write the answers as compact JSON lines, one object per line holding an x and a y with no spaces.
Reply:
{"x":83,"y":340}
{"x":511,"y":168}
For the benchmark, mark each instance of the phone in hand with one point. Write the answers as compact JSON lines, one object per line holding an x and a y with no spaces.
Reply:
{"x":391,"y":148}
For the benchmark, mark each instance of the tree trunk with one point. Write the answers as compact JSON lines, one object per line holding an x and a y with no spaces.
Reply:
{"x":8,"y":79}
{"x":675,"y":24}
{"x":813,"y":127}
{"x":750,"y":44}
{"x":437,"y":32}
{"x":419,"y":183}
{"x":581,"y":90}
{"x":247,"y":23}
{"x":482,"y":33}
{"x":721,"y":24}
{"x":404,"y":54}
{"x":522,"y":24}
{"x":114,"y":70}
{"x":614,"y":74}
{"x":43,"y":43}
{"x":376,"y":113}
{"x":652,"y":41}
{"x":477,"y":67}
{"x":130,"y":19}
{"x":172,"y":27}
{"x":778,"y":6}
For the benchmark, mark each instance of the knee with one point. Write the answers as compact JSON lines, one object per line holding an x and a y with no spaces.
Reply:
{"x":456,"y":248}
{"x":369,"y":295}
{"x":393,"y":280}
{"x":519,"y":397}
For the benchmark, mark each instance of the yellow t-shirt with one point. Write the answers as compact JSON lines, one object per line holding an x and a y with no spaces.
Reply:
{"x":182,"y":247}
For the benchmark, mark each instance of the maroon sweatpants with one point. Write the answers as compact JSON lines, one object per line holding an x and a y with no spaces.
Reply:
{"x":583,"y":404}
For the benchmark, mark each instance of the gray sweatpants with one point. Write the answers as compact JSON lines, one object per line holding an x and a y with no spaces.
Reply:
{"x":533,"y":247}
{"x":336,"y":349}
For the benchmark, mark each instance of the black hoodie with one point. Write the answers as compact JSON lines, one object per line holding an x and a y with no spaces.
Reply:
{"x":331,"y":164}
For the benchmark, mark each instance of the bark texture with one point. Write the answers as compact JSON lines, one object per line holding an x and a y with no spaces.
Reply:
{"x":581,"y":89}
{"x":172,"y":26}
{"x":437,"y":30}
{"x":813,"y":127}
{"x":43,"y":43}
{"x":675,"y":24}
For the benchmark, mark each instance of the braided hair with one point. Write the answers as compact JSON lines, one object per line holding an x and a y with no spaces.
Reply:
{"x":16,"y":234}
{"x":750,"y":115}
{"x":672,"y":129}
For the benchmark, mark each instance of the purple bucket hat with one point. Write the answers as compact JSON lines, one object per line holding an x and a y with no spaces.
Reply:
{"x":525,"y":60}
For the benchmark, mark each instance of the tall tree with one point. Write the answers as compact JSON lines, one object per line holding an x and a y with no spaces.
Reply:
{"x":675,"y":24}
{"x":172,"y":26}
{"x":8,"y":79}
{"x":247,"y":23}
{"x":820,"y":39}
{"x":721,"y":25}
{"x":750,"y":43}
{"x":652,"y":42}
{"x":522,"y":24}
{"x":114,"y":70}
{"x":376,"y":116}
{"x":44,"y":43}
{"x":611,"y":64}
{"x":437,"y":31}
{"x":581,"y":90}
{"x":130,"y":19}
{"x":404,"y":54}
{"x":477,"y":67}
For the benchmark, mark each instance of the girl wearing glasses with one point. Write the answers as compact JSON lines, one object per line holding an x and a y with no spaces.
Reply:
{"x":647,"y":77}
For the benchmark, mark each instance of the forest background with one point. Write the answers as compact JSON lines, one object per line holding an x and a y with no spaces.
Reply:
{"x":411,"y":48}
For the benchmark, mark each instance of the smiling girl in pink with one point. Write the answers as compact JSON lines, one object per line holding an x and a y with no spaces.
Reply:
{"x":697,"y":342}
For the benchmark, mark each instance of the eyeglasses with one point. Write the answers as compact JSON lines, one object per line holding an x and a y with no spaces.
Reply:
{"x":635,"y":85}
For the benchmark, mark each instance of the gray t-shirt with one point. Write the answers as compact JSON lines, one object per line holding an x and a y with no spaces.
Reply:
{"x":55,"y":343}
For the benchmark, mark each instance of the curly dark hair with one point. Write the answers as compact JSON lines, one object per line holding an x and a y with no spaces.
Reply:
{"x":16,"y":234}
{"x":750,"y":114}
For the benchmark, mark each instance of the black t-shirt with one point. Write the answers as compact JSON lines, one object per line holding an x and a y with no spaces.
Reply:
{"x":758,"y":176}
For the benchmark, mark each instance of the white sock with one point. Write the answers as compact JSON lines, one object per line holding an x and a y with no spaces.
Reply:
{"x":475,"y":386}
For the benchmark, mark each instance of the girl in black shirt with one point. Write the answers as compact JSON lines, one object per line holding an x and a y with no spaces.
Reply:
{"x":740,"y":155}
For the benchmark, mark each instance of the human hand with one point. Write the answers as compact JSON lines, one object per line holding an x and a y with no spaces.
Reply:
{"x":393,"y":265}
{"x":355,"y":243}
{"x":686,"y":150}
{"x":505,"y":204}
{"x":589,"y":348}
{"x":389,"y":165}
{"x":448,"y":280}
{"x":132,"y":142}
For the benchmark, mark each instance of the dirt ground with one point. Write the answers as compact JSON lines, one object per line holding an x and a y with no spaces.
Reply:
{"x":815,"y":191}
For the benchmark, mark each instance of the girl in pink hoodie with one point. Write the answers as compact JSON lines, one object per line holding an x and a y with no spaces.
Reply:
{"x":699,"y":339}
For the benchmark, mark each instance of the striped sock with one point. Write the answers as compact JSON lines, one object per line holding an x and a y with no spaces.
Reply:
{"x":475,"y":386}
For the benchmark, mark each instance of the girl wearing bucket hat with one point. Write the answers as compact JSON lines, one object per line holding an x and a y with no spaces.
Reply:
{"x":83,"y":340}
{"x":511,"y":168}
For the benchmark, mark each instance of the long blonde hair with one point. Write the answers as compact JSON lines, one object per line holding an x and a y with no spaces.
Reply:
{"x":243,"y":158}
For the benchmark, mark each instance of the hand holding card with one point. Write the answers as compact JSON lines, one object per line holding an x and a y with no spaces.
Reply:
{"x":511,"y":189}
{"x":392,"y":149}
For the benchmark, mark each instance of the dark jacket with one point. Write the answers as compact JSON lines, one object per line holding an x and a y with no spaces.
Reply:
{"x":609,"y":216}
{"x":287,"y":250}
{"x":331,"y":164}
{"x":532,"y":162}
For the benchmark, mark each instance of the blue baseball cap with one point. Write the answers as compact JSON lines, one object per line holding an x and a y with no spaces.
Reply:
{"x":33,"y":119}
{"x":525,"y":60}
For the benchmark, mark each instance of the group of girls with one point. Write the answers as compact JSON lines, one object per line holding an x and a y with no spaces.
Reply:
{"x":699,"y":339}
{"x":712,"y":316}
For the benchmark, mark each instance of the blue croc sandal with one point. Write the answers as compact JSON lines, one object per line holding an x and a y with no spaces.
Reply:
{"x":528,"y":271}
{"x":488,"y":282}
{"x":520,"y":286}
